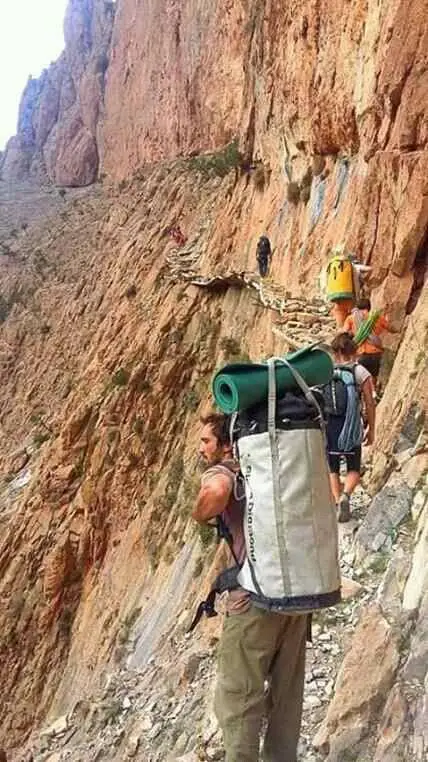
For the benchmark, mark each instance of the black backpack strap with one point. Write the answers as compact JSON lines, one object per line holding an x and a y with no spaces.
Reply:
{"x":224,"y":533}
{"x":227,"y":580}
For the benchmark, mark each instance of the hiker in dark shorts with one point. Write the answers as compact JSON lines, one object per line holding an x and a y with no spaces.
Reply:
{"x":345,"y":432}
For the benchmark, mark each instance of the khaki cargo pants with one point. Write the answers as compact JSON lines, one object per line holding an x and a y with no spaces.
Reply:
{"x":256,"y":646}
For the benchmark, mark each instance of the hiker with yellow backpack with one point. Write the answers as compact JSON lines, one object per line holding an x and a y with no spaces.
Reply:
{"x":366,"y":326}
{"x":341,"y":281}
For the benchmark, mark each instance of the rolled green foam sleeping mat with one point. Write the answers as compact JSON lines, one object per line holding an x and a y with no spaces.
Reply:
{"x":366,"y":327}
{"x":239,"y":386}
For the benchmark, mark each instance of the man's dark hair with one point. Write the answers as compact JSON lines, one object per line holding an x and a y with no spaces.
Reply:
{"x":220,"y":426}
{"x":364,"y":304}
{"x":344,"y":344}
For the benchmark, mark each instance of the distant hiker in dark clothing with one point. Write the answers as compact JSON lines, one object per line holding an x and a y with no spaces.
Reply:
{"x":363,"y":320}
{"x":345,"y":432}
{"x":263,"y":255}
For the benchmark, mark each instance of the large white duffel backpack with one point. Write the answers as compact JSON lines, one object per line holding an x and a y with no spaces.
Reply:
{"x":290,"y":524}
{"x":290,"y":517}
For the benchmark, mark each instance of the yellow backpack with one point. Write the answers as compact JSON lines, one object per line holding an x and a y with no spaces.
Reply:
{"x":340,"y":279}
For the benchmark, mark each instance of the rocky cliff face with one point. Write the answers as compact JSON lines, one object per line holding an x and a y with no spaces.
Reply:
{"x":335,"y":78}
{"x":60,"y":113}
{"x":227,"y":121}
{"x":329,"y":100}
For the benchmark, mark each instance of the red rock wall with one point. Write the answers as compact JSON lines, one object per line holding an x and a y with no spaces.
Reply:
{"x":343,"y":79}
{"x":60,"y":112}
{"x":334,"y":77}
{"x":176,"y":81}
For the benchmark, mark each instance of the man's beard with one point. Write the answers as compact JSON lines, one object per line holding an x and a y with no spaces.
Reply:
{"x":202,"y":464}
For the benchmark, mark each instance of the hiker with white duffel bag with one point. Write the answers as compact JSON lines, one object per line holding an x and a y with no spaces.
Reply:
{"x":270,"y":471}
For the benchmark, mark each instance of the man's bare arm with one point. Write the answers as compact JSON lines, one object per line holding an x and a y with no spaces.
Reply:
{"x":213,"y":498}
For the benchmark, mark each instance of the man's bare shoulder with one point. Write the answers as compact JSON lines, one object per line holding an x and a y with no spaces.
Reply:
{"x":225,"y":471}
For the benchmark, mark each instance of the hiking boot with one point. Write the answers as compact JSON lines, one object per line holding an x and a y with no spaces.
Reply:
{"x":344,"y":509}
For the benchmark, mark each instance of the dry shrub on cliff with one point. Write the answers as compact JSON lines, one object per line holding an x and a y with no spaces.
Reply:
{"x":120,"y":377}
{"x":233,"y":351}
{"x":191,"y":400}
{"x":112,"y":708}
{"x":219,"y":163}
{"x":39,"y":438}
{"x":230,"y":346}
{"x":16,"y":605}
{"x":16,"y":296}
{"x":176,"y":470}
{"x":199,"y":565}
{"x":175,"y":477}
{"x":38,"y":418}
{"x":169,"y":555}
{"x":206,"y":534}
{"x":318,"y":164}
{"x":260,"y":177}
{"x":306,"y":180}
{"x":5,"y":250}
{"x":65,"y":622}
{"x":191,"y":483}
{"x":153,"y":442}
{"x":379,"y":563}
{"x":305,"y":193}
{"x":127,"y":624}
{"x":138,"y":427}
{"x":293,"y":192}
{"x":4,"y":309}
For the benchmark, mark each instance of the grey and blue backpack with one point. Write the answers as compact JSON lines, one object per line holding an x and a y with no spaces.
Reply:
{"x":342,"y":403}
